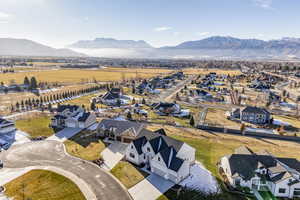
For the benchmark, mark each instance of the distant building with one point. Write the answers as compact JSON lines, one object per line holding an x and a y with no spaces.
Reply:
{"x":167,"y":108}
{"x":253,"y":115}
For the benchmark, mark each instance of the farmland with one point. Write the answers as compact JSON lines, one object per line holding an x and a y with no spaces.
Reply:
{"x":78,"y":76}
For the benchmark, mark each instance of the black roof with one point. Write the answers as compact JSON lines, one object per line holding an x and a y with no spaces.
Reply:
{"x":72,"y":108}
{"x":169,"y":157}
{"x":161,"y":131}
{"x":5,"y":121}
{"x":109,"y":95}
{"x":121,"y":126}
{"x":258,"y":110}
{"x":139,"y":143}
{"x":84,"y":117}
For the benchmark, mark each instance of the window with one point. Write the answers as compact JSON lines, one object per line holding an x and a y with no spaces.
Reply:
{"x":297,"y":191}
{"x":132,"y":147}
{"x":158,"y":158}
{"x":144,"y":157}
{"x":132,"y":155}
{"x":281,"y":190}
{"x":148,"y":149}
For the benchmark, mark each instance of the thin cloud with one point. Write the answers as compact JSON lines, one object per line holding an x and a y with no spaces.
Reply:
{"x":203,"y":33}
{"x":3,"y":22}
{"x":4,"y":15}
{"x":162,"y":28}
{"x":266,"y":4}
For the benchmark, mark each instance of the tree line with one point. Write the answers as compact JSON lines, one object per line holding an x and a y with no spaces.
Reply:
{"x":45,"y":102}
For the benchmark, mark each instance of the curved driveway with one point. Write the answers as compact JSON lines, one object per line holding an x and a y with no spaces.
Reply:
{"x":52,"y":154}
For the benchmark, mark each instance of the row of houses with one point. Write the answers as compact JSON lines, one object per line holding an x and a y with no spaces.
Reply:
{"x":162,"y":155}
{"x":152,"y":85}
{"x":261,"y":171}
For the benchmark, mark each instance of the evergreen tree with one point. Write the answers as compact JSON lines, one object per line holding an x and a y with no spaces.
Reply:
{"x":26,"y":81}
{"x":192,"y":121}
{"x":93,"y":106}
{"x":33,"y":83}
{"x":129,"y":116}
{"x":143,"y":101}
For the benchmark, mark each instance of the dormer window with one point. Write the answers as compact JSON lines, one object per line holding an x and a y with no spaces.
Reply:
{"x":148,"y":149}
{"x":158,"y":158}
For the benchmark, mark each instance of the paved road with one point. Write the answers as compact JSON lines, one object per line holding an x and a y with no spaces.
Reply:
{"x":52,"y":154}
{"x":166,"y":95}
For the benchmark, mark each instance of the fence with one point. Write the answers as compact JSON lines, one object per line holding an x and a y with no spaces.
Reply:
{"x":248,"y":133}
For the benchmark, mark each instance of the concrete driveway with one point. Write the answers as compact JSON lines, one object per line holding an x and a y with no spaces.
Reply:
{"x":64,"y":134}
{"x":150,"y":188}
{"x":113,"y":154}
{"x":51,"y":155}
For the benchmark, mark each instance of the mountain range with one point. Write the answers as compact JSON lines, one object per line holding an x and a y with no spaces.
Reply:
{"x":24,"y":47}
{"x":212,"y":47}
{"x":217,"y":47}
{"x":110,"y":43}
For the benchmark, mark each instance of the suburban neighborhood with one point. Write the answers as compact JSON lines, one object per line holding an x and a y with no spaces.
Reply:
{"x":149,"y":100}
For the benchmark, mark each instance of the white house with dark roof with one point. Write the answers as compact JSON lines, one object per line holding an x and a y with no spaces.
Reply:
{"x":162,"y":155}
{"x":262,"y":171}
{"x":114,"y":97}
{"x":72,"y":116}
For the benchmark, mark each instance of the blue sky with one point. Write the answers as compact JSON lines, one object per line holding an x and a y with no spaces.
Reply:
{"x":159,"y":22}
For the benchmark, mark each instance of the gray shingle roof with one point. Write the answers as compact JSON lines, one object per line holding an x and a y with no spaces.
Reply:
{"x":121,"y":126}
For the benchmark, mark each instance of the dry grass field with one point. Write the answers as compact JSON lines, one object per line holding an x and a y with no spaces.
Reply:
{"x":78,"y":76}
{"x":217,"y":116}
{"x":206,"y":71}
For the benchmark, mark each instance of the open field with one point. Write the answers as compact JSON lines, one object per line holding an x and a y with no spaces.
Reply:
{"x":87,"y":148}
{"x":128,"y":174}
{"x":217,"y":116}
{"x":84,"y":100}
{"x":77,"y":76}
{"x":35,"y":125}
{"x":40,"y":184}
{"x":207,"y":71}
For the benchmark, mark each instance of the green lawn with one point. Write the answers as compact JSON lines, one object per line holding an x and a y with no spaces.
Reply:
{"x":87,"y":148}
{"x":35,"y":125}
{"x":128,"y":174}
{"x":43,"y":185}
